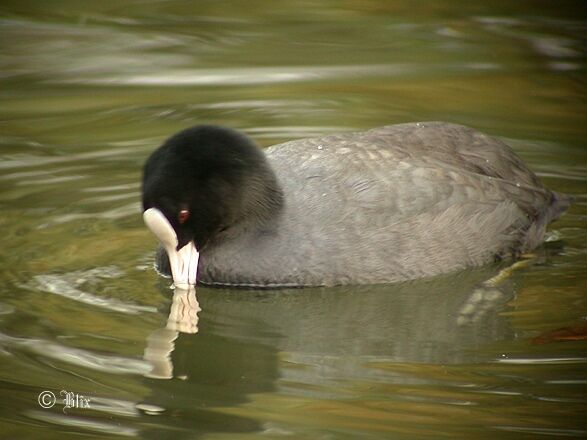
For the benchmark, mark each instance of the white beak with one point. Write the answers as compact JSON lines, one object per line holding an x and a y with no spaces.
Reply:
{"x":184,"y":263}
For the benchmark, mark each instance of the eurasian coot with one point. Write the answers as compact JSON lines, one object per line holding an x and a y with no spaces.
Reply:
{"x":390,"y":204}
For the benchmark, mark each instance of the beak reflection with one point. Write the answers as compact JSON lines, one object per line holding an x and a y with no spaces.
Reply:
{"x":183,"y":318}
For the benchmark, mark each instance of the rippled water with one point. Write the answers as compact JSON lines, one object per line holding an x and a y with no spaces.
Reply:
{"x":88,"y":90}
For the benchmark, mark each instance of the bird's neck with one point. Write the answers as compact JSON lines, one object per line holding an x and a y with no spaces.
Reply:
{"x":263,"y":200}
{"x":262,"y":203}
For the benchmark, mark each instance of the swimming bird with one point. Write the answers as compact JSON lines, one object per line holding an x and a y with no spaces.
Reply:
{"x":386,"y":205}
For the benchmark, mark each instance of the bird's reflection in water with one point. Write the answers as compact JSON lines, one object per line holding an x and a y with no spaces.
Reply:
{"x":451,"y":314}
{"x":183,"y":318}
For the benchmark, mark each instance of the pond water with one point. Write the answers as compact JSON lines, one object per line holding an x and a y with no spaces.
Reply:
{"x":88,"y":89}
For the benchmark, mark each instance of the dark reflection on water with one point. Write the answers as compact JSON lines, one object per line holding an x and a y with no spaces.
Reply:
{"x":437,"y":321}
{"x":226,"y":345}
{"x":88,"y":90}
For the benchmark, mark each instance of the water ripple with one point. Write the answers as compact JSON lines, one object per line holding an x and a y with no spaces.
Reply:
{"x":544,"y":431}
{"x":84,"y":423}
{"x":115,"y":407}
{"x":27,"y":160}
{"x":77,"y":356}
{"x":66,"y":285}
{"x":535,"y":361}
{"x":267,"y":75}
{"x":127,"y":210}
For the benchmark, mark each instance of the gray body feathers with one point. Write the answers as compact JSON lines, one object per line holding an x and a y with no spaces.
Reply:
{"x":390,"y":204}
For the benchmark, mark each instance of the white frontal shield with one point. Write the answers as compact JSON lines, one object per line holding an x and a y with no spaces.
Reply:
{"x":184,"y":263}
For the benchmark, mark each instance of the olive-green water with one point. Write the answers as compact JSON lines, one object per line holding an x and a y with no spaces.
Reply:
{"x":88,"y":89}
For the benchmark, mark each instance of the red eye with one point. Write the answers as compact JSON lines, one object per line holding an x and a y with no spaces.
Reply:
{"x":183,"y":215}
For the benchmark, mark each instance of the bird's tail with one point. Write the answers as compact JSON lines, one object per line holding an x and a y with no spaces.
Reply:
{"x":559,"y":204}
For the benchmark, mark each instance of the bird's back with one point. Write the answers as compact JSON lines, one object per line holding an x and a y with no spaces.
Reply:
{"x":389,"y":204}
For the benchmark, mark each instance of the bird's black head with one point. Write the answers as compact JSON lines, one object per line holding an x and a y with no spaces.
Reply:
{"x":208,"y":179}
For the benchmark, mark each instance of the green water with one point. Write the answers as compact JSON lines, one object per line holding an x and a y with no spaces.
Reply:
{"x":88,"y":89}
